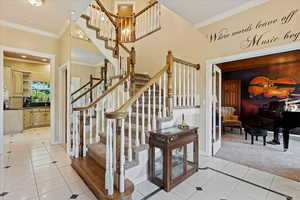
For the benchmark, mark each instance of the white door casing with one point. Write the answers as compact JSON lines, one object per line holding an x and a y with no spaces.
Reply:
{"x":216,"y":109}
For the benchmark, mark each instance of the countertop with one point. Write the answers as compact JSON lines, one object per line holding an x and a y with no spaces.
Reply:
{"x":26,"y":108}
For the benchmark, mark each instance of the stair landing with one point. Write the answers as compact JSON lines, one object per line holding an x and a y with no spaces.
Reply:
{"x":94,"y":176}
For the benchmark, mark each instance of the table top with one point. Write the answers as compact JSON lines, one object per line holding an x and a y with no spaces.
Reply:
{"x":174,"y":130}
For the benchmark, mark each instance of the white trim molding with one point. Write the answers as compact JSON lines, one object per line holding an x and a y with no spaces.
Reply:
{"x":230,"y":13}
{"x":28,"y":29}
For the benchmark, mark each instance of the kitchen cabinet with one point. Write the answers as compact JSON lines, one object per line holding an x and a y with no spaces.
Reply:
{"x":36,"y":117}
{"x":27,"y":118}
{"x":17,"y":84}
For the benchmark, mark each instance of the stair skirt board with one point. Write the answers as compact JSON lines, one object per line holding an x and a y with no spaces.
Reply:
{"x":94,"y":176}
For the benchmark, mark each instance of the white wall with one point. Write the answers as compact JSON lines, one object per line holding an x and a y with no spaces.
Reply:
{"x":1,"y":102}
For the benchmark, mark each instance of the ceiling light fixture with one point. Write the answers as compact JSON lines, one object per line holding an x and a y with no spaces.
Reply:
{"x":23,"y":56}
{"x":36,"y":3}
{"x":44,"y":59}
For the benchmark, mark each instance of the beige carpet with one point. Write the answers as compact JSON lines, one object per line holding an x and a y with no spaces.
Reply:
{"x":268,"y":158}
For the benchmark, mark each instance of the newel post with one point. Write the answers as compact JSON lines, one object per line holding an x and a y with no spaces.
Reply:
{"x":131,"y":71}
{"x":170,"y":63}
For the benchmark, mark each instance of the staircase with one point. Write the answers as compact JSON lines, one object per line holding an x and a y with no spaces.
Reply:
{"x":109,"y":130}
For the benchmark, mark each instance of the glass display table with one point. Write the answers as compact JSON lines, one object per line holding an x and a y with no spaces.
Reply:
{"x":173,"y":156}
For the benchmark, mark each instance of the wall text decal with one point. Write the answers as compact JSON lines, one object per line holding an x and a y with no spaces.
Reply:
{"x":264,"y":37}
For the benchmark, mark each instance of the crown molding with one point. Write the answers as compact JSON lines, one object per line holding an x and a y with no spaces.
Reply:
{"x":84,"y":64}
{"x":28,"y":29}
{"x":25,"y":61}
{"x":230,"y":13}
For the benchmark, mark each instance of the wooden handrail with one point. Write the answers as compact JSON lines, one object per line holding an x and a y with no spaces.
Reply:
{"x":101,"y":96}
{"x":146,"y":8}
{"x":87,"y":91}
{"x":120,"y":111}
{"x":125,"y":48}
{"x":81,"y":88}
{"x":178,"y":60}
{"x":106,"y":12}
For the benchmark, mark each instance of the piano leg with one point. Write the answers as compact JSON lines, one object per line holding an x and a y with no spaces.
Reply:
{"x":286,"y":137}
{"x":276,"y":128}
{"x":264,"y":140}
{"x":246,"y":135}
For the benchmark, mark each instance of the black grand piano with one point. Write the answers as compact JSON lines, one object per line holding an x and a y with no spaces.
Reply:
{"x":281,"y":115}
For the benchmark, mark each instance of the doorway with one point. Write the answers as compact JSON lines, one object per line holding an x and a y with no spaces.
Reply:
{"x":239,"y":75}
{"x":16,"y":89}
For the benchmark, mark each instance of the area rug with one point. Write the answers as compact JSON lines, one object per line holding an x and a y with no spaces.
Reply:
{"x":269,"y":158}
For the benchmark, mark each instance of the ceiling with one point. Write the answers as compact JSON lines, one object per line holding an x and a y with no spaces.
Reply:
{"x":262,"y":61}
{"x":203,"y":12}
{"x":86,"y":57}
{"x":51,"y":17}
{"x":26,"y":57}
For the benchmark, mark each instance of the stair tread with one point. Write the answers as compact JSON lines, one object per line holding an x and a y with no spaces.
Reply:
{"x":94,"y":176}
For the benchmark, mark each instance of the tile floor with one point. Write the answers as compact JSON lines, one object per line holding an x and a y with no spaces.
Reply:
{"x":32,"y":175}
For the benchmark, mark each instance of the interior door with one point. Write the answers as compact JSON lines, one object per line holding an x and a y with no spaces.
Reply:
{"x":216,"y":108}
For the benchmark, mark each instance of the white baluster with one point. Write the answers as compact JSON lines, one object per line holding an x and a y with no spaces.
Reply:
{"x":102,"y":115}
{"x":84,"y":133}
{"x":179,"y":89}
{"x":129,"y":135}
{"x":174,"y":86}
{"x":75,"y":129}
{"x":159,"y":99}
{"x":145,"y":23}
{"x":159,"y":13}
{"x":184,"y":89}
{"x":193,"y":87}
{"x":137,"y":140}
{"x":165,"y":94}
{"x":77,"y":136}
{"x":188,"y":85}
{"x":149,"y":108}
{"x":122,"y":157}
{"x":151,"y":18}
{"x":143,"y":120}
{"x":98,"y":112}
{"x":118,"y":96}
{"x":91,"y":124}
{"x":154,"y":111}
{"x":109,"y":179}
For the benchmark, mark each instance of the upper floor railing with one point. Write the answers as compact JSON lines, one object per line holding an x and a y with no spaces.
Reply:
{"x":123,"y":29}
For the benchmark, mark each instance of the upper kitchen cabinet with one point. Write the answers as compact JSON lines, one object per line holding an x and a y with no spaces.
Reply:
{"x":7,"y":78}
{"x":17,"y":84}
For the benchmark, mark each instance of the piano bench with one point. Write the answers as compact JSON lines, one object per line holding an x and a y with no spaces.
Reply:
{"x":254,"y":131}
